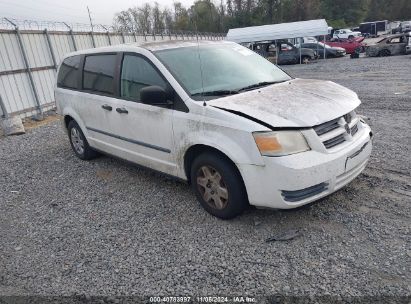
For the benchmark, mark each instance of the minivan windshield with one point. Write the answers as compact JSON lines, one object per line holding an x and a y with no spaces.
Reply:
{"x":225,"y":69}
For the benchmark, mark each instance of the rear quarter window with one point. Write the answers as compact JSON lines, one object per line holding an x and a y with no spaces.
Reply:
{"x":98,"y":73}
{"x":69,"y":73}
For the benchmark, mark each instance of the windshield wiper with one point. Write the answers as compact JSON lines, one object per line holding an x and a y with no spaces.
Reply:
{"x":216,"y":93}
{"x":259,"y":85}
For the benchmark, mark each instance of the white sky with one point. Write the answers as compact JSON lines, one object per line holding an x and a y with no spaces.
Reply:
{"x":73,"y":11}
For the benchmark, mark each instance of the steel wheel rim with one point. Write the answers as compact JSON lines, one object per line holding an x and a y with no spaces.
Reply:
{"x":212,"y":187}
{"x":306,"y":60}
{"x":77,"y":141}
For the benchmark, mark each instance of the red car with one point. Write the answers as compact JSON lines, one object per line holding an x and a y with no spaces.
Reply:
{"x":348,"y":44}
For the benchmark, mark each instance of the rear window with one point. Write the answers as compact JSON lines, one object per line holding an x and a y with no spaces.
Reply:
{"x":98,"y":74}
{"x":68,"y":73}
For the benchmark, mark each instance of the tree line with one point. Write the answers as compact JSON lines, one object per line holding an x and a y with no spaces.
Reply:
{"x":210,"y":16}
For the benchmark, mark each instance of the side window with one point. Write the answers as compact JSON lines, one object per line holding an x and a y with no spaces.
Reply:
{"x":68,"y":73}
{"x":98,"y":74}
{"x":137,"y":73}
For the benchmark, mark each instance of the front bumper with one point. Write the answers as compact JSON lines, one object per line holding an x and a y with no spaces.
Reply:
{"x":295,"y":180}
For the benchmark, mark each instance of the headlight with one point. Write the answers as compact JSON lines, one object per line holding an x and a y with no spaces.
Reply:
{"x":279,"y":143}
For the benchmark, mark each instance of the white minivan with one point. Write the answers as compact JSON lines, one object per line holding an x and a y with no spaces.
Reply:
{"x":235,"y":126}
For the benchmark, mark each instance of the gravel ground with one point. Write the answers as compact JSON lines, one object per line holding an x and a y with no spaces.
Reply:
{"x":104,"y":227}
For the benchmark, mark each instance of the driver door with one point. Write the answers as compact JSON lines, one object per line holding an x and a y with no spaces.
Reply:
{"x":144,"y":132}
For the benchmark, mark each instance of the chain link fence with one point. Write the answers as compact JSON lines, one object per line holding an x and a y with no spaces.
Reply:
{"x":30,"y":52}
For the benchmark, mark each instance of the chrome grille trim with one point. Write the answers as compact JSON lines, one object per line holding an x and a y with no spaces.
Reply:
{"x":327,"y":127}
{"x":334,"y":141}
{"x":337,"y":131}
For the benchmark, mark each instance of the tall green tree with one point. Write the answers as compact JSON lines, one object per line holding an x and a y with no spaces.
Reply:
{"x":204,"y":16}
{"x":221,"y":15}
{"x":347,"y":12}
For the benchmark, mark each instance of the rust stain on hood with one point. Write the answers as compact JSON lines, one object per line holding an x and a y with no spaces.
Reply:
{"x":294,"y":103}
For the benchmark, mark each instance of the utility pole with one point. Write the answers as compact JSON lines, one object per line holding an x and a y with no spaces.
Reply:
{"x":89,"y":16}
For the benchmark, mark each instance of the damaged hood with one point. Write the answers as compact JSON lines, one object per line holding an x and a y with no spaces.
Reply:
{"x":294,"y":103}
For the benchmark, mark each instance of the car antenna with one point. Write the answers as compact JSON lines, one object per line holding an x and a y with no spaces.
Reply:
{"x":199,"y":59}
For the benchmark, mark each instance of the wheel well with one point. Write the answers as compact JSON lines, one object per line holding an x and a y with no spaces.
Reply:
{"x":196,"y":150}
{"x":67,"y":120}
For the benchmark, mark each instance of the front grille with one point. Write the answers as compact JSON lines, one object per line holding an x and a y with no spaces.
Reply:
{"x":298,"y":195}
{"x":327,"y":127}
{"x":335,"y":132}
{"x":334,"y":141}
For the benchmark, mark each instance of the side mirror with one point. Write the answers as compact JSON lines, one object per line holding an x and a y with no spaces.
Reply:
{"x":153,"y":95}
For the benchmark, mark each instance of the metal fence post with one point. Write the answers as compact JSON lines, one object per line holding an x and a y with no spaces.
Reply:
{"x":3,"y":109}
{"x":53,"y":57}
{"x":123,"y":37}
{"x":27,"y":67}
{"x":108,"y":34}
{"x":109,"y":38}
{"x":135,"y":36}
{"x":92,"y":39}
{"x":72,"y":36}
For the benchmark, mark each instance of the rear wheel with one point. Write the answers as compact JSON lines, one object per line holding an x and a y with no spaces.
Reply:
{"x":384,"y":53}
{"x":218,"y":186}
{"x":79,"y":143}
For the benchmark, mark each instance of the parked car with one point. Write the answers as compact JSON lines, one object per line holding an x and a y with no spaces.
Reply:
{"x":346,"y":33}
{"x":350,"y":45}
{"x":393,"y":45}
{"x":330,"y":51}
{"x":289,"y":54}
{"x":405,"y":27}
{"x":236,"y":127}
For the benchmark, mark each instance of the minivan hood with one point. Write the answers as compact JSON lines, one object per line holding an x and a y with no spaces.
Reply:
{"x":294,"y":103}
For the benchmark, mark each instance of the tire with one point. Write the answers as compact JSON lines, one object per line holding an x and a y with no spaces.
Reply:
{"x":350,"y":37}
{"x":79,"y":143}
{"x":305,"y":60}
{"x":218,"y":186}
{"x":384,"y":53}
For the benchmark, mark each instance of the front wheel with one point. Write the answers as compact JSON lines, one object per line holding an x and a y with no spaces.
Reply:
{"x":305,"y":60}
{"x":218,"y":186}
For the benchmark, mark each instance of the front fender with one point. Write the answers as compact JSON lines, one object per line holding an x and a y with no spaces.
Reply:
{"x":239,"y":146}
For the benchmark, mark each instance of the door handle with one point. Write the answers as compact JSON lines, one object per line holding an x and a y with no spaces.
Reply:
{"x":107,"y":107}
{"x":122,"y":110}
